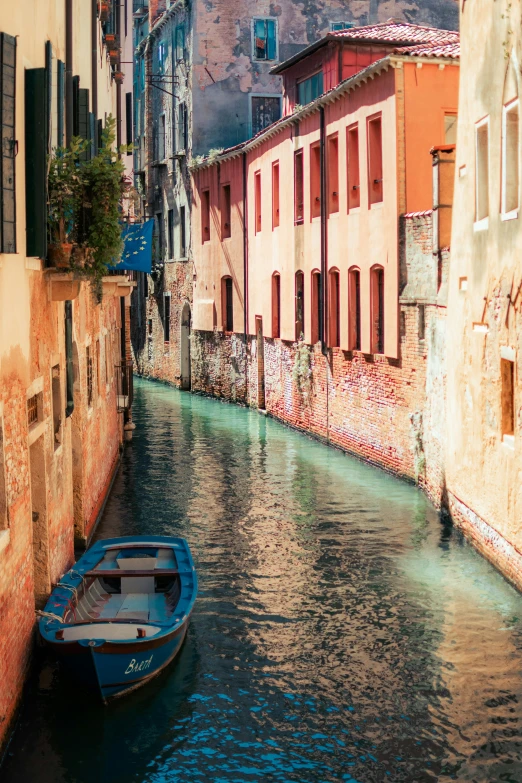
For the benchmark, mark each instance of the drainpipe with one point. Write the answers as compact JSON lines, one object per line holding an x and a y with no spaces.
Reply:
{"x":94,"y":65}
{"x":245,"y":258}
{"x":323,"y":303}
{"x":68,"y":71}
{"x":69,"y":370}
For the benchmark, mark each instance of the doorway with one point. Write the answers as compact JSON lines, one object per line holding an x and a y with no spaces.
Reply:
{"x":186,"y":324}
{"x":260,"y":364}
{"x":42,"y":580}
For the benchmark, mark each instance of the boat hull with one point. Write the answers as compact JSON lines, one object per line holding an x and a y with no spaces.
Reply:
{"x":114,"y":669}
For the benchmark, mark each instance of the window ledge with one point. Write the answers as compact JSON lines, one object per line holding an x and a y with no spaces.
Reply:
{"x":354,"y":210}
{"x":481,"y":225}
{"x":376,"y":205}
{"x":35,"y":431}
{"x":5,"y":537}
{"x":513,"y":215}
{"x":508,"y":441}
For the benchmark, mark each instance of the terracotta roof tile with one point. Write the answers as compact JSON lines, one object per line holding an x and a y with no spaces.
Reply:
{"x":397,"y":32}
{"x":451,"y":50}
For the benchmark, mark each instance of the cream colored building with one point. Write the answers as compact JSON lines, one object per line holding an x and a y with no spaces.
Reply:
{"x":60,"y":429}
{"x":484,"y":329}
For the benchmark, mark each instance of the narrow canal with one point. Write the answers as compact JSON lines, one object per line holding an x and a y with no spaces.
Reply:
{"x":341,"y":632}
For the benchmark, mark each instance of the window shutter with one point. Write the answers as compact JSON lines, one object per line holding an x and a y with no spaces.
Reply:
{"x":49,"y":78}
{"x":76,"y":105}
{"x":60,"y":102}
{"x":128,"y":119}
{"x":271,"y":39}
{"x":83,"y":121}
{"x":92,"y":135}
{"x":7,"y":158}
{"x":36,"y":131}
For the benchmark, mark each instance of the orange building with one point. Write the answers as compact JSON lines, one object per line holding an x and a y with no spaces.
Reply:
{"x":320,"y":275}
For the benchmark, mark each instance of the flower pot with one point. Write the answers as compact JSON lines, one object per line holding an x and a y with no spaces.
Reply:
{"x":118,"y":77}
{"x":110,"y":40}
{"x":59,"y":255}
{"x":103,"y":11}
{"x":114,"y":56}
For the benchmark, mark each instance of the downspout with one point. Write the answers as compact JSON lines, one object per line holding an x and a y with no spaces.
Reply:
{"x":94,"y":65}
{"x":245,"y":264}
{"x":69,"y":370}
{"x":123,"y":349}
{"x":323,"y":293}
{"x":68,"y":71}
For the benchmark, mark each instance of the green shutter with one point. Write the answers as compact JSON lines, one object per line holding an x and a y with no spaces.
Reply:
{"x":271,"y":39}
{"x":60,"y":101}
{"x":76,"y":105}
{"x":7,"y":157}
{"x":84,"y":121}
{"x":36,"y":161}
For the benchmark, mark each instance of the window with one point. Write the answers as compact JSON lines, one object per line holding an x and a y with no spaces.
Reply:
{"x":354,"y":310}
{"x":205,"y":216}
{"x":334,"y":337}
{"x":150,"y":327}
{"x":375,"y":160}
{"x":34,"y":409}
{"x":160,"y":147}
{"x":377,"y":308}
{"x":227,"y":304}
{"x":298,"y":187}
{"x":179,"y":42}
{"x":257,"y":200}
{"x":60,"y":103}
{"x":88,"y":353}
{"x":161,"y":235}
{"x":166,"y":317}
{"x":4,"y":520}
{"x":315,"y":180}
{"x":507,"y":374}
{"x":310,"y":89}
{"x":450,"y":129}
{"x":128,"y":121}
{"x":162,"y":56}
{"x":265,"y":39}
{"x":482,"y":171}
{"x":510,"y":166}
{"x":354,"y":182}
{"x":265,"y":109}
{"x":299,"y":305}
{"x":226,"y":212}
{"x":170,"y":228}
{"x":56,"y":391}
{"x":316,"y":307}
{"x":182,"y":127}
{"x":341,"y":26}
{"x":333,"y":174}
{"x":276,"y":305}
{"x":145,"y":285}
{"x":275,"y":194}
{"x":7,"y":156}
{"x":182,"y":233}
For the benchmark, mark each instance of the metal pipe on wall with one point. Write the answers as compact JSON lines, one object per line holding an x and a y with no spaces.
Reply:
{"x":68,"y":71}
{"x":94,"y":62}
{"x":323,"y":304}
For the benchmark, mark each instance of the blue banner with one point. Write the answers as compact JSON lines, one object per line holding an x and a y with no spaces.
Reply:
{"x":137,"y":247}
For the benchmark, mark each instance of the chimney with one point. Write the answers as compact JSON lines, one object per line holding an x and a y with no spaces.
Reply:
{"x":443,"y":183}
{"x":156,"y":9}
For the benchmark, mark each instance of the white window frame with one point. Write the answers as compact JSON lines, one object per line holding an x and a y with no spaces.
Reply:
{"x":481,"y":224}
{"x":253,"y":37}
{"x":261,"y":95}
{"x":513,"y":213}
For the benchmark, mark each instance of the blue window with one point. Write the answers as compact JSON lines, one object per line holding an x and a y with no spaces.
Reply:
{"x":162,"y":56}
{"x":310,"y":89}
{"x":341,"y":26}
{"x":265,"y":39}
{"x":179,"y":42}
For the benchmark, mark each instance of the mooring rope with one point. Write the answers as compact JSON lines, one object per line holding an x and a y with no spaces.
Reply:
{"x":49,"y":615}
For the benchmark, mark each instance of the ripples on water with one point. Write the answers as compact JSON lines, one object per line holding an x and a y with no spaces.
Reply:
{"x":340,"y":634}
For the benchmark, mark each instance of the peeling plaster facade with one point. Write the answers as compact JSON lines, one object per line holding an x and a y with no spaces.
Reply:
{"x":56,"y":464}
{"x":228,"y":94}
{"x":484,"y":395}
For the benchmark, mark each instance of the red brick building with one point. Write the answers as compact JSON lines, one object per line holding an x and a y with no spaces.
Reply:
{"x":326,"y":309}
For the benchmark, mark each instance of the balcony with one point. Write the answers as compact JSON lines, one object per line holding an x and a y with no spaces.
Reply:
{"x":117,"y":283}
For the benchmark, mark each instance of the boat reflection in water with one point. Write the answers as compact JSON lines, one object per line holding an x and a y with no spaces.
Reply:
{"x":120,"y":616}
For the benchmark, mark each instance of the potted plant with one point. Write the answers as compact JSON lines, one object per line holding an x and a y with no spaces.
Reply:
{"x":103,"y":11}
{"x":64,"y":192}
{"x":118,"y":77}
{"x":114,"y":55}
{"x":110,"y":40}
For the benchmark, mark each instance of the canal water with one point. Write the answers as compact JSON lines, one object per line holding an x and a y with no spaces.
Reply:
{"x":341,"y":632}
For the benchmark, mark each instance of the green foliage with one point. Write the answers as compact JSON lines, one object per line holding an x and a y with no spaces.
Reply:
{"x":85,"y":203}
{"x":302,"y":372}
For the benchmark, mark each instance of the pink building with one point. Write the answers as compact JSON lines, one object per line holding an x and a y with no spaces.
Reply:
{"x":319,"y":262}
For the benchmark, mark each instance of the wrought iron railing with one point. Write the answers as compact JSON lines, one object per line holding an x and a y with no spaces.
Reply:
{"x":124,"y":386}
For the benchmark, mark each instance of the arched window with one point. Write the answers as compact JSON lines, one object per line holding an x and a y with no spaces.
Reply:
{"x":276,"y":305}
{"x":354,"y":309}
{"x":377,"y":308}
{"x":334,"y":337}
{"x":316,"y":307}
{"x":227,"y":304}
{"x":299,"y":305}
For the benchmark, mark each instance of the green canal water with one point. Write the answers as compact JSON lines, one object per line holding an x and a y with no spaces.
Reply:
{"x":341,"y":632}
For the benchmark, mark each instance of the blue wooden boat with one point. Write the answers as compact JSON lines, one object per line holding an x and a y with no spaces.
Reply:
{"x":121,"y":614}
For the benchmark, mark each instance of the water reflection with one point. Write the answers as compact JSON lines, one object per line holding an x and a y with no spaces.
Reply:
{"x":341,"y":633}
